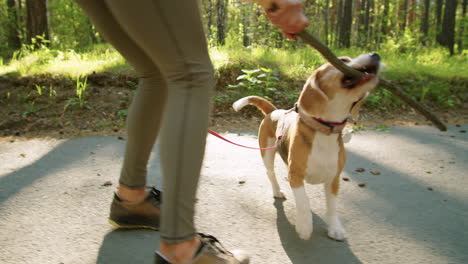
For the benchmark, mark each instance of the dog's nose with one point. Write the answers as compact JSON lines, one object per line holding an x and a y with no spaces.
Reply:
{"x":375,"y":56}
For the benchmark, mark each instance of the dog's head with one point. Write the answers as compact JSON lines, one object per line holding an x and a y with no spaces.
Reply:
{"x":330,"y":95}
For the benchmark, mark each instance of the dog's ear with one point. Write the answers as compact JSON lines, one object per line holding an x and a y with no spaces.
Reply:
{"x":355,"y":108}
{"x":312,"y":99}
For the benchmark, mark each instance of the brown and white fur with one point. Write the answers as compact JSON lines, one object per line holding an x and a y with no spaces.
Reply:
{"x":312,"y":156}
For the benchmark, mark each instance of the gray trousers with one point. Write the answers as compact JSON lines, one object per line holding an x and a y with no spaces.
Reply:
{"x":164,"y":41}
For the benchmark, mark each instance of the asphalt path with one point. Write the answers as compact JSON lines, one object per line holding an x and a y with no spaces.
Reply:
{"x":54,"y":201}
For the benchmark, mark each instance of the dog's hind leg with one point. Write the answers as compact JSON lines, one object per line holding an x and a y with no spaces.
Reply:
{"x":268,"y":157}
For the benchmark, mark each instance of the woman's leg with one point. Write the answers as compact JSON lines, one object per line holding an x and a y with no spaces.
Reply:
{"x":145,"y":114}
{"x":171,"y":33}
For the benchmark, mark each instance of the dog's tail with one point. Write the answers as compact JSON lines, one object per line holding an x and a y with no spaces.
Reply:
{"x":261,"y":103}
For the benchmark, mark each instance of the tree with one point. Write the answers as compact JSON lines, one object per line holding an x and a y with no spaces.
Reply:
{"x":385,"y":18}
{"x":402,"y":12}
{"x":411,"y":13}
{"x":13,"y":31}
{"x":326,"y":18}
{"x":37,"y":21}
{"x":345,"y":24}
{"x":221,"y":12}
{"x":425,"y":21}
{"x":461,"y":32}
{"x":438,"y":14}
{"x":447,"y":35}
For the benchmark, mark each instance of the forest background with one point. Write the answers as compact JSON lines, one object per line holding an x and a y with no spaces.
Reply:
{"x":56,"y":69}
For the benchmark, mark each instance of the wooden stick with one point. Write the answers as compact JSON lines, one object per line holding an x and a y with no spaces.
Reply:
{"x":328,"y":54}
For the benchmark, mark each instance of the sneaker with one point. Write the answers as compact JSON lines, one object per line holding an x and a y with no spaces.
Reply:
{"x":211,"y":251}
{"x":144,"y":214}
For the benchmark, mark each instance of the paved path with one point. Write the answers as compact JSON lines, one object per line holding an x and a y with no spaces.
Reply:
{"x":53,"y":205}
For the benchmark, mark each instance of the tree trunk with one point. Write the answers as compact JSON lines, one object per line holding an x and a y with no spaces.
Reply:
{"x":371,"y":27}
{"x":13,"y":31}
{"x":447,"y":35}
{"x":386,"y":10}
{"x":221,"y":12}
{"x":37,"y":22}
{"x":411,"y":15}
{"x":339,"y":18}
{"x":326,"y":16}
{"x":346,"y":23}
{"x":402,"y":14}
{"x":462,"y":28}
{"x":209,"y":17}
{"x":363,"y":21}
{"x":245,"y":13}
{"x":425,"y":21}
{"x":439,"y":7}
{"x":333,"y":21}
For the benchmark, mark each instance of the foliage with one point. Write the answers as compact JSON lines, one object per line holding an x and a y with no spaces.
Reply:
{"x":429,"y":74}
{"x":257,"y":81}
{"x":70,"y":27}
{"x":80,"y":99}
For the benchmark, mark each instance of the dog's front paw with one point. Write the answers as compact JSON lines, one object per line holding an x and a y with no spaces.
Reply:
{"x":304,"y":225}
{"x":336,"y":231}
{"x":279,"y":195}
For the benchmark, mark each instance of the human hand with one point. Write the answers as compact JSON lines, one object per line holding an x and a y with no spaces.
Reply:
{"x":288,"y":16}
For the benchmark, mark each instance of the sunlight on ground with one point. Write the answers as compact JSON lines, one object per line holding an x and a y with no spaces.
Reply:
{"x":296,"y":63}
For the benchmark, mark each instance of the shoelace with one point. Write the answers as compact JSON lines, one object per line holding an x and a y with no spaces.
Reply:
{"x":157,"y":194}
{"x":213,"y":241}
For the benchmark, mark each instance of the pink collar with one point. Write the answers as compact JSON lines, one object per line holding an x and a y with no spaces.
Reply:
{"x":326,"y":127}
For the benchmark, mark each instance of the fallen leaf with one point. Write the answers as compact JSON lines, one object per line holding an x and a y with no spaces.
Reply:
{"x":345,"y":179}
{"x":120,"y":138}
{"x":360,"y":169}
{"x":241,"y":182}
{"x":375,"y":172}
{"x":22,"y":155}
{"x":362,"y":184}
{"x":428,"y":172}
{"x":107,"y":183}
{"x":462,"y":131}
{"x":430,"y":188}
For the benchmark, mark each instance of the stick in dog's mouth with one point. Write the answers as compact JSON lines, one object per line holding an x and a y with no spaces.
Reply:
{"x":370,"y":71}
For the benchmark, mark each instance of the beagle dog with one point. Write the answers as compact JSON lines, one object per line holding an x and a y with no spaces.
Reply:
{"x":308,"y":137}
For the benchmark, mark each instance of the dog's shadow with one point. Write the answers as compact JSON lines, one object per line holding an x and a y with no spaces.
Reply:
{"x":318,"y":249}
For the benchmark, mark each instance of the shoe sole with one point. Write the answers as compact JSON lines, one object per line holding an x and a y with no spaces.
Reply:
{"x":117,"y":225}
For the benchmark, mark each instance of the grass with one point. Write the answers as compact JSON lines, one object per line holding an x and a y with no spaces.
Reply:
{"x":68,"y":63}
{"x":426,"y":74}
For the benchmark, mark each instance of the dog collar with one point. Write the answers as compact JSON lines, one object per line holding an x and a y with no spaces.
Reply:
{"x":318,"y":124}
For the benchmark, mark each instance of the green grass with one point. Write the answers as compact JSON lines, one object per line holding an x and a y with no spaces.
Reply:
{"x":427,"y":74}
{"x":67,"y":63}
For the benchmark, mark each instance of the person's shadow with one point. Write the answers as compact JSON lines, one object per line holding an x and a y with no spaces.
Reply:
{"x":318,"y":249}
{"x":128,"y":246}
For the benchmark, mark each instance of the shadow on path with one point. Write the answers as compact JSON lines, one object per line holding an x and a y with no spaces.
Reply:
{"x":318,"y":249}
{"x":128,"y":246}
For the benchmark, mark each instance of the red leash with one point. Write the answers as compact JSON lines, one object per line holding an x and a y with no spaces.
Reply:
{"x":227,"y":140}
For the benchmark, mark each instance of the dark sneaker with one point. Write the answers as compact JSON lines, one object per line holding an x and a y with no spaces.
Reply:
{"x":136,"y":215}
{"x":211,"y":251}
